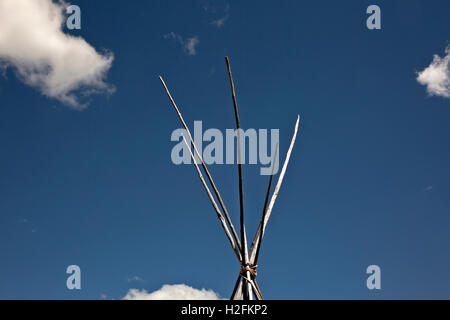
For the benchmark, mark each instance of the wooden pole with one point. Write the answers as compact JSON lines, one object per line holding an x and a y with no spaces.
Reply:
{"x":239,"y":291}
{"x":277,"y":189}
{"x":238,"y":281}
{"x":266,"y":200}
{"x":208,"y":175}
{"x":259,"y":290}
{"x":214,"y":204}
{"x":246,"y":284}
{"x":244,"y":252}
{"x":256,"y":237}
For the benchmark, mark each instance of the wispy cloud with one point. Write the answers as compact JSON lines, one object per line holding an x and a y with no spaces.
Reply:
{"x":437,"y":75}
{"x":172,"y":35}
{"x":189,"y":45}
{"x":428,"y":188}
{"x":219,"y":23}
{"x":218,"y":12}
{"x":135,"y":279}
{"x":172,"y":292}
{"x":60,"y":66}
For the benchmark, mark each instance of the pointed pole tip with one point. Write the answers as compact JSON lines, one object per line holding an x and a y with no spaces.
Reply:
{"x":162,"y":81}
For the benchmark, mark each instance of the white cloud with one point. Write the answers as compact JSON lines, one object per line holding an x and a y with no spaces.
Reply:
{"x":189,"y":45}
{"x":59,"y":65}
{"x":172,"y":292}
{"x":437,"y":76}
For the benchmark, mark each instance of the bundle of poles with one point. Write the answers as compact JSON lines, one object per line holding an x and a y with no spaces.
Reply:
{"x":246,"y":287}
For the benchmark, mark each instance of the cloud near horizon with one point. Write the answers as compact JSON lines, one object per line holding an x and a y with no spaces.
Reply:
{"x":437,"y":75}
{"x":172,"y":292}
{"x":60,"y":66}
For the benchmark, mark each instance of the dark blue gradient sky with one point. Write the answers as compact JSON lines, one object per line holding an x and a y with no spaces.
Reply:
{"x":368,"y":182}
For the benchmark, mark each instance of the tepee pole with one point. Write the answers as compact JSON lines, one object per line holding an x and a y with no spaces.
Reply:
{"x":244,"y":253}
{"x":214,"y":204}
{"x":238,"y":282}
{"x":246,"y":283}
{"x":266,"y":200}
{"x":260,"y":224}
{"x":237,"y":290}
{"x":259,"y":290}
{"x":208,"y":175}
{"x":277,"y":189}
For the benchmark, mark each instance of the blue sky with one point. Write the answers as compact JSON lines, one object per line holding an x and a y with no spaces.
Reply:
{"x":368,"y":182}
